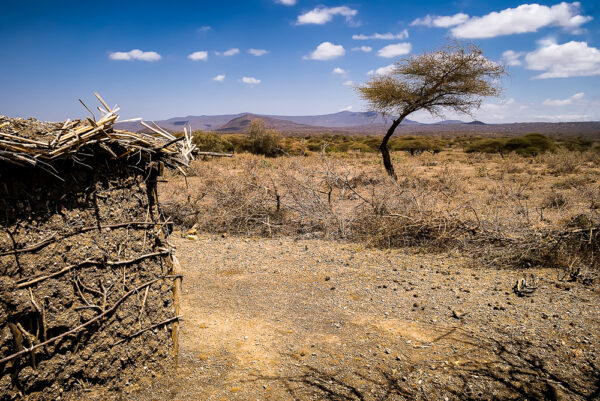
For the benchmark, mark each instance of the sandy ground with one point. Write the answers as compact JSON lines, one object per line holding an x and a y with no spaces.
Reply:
{"x":285,"y":319}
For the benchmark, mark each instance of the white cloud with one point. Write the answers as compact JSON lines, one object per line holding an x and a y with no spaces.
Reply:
{"x":250,"y":80}
{"x":203,"y":29}
{"x":382,"y":36}
{"x":441,"y":21}
{"x":388,"y":69}
{"x":286,"y":2}
{"x":230,"y":52}
{"x":524,"y":18}
{"x":571,"y":59}
{"x":398,"y":49}
{"x":512,"y":58}
{"x":322,"y":15}
{"x":564,"y":102}
{"x":135,"y":54}
{"x":339,"y":71}
{"x":258,"y":52}
{"x":365,"y":49}
{"x":219,"y":78}
{"x":564,"y":117}
{"x":196,"y":56}
{"x":348,"y":83}
{"x":346,"y":108}
{"x":326,"y":51}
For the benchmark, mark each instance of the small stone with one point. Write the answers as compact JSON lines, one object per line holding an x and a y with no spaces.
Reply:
{"x":388,"y":351}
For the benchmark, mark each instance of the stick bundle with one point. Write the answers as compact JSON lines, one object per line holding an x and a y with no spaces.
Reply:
{"x":69,"y":140}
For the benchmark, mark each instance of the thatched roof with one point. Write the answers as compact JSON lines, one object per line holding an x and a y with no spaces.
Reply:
{"x":47,"y":143}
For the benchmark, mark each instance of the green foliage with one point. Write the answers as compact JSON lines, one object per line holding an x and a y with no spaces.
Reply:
{"x":529,"y":145}
{"x":211,"y":142}
{"x":415,"y":145}
{"x":486,"y":145}
{"x":578,"y":144}
{"x":263,"y":141}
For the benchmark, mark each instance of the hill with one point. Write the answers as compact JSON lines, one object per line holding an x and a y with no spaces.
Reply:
{"x":367,"y":123}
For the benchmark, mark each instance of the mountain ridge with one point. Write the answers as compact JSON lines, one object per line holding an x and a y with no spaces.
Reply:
{"x":366,"y":123}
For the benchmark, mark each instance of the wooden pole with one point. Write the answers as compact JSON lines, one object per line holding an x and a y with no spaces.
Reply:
{"x":178,"y":273}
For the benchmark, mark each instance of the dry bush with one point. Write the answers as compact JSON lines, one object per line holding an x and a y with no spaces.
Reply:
{"x":503,"y":221}
{"x":562,"y":162}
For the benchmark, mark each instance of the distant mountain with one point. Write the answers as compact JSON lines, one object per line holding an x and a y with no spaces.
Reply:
{"x":447,"y":122}
{"x":207,"y":123}
{"x":241,"y":123}
{"x":349,"y":123}
{"x":221,"y":123}
{"x":343,"y":119}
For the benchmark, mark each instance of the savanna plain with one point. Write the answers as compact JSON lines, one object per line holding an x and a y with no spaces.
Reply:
{"x":314,"y":275}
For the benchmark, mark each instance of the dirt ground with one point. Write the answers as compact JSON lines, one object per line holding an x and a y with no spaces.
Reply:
{"x":279,"y":319}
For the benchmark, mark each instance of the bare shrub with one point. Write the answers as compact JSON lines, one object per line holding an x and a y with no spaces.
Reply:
{"x":555,"y":200}
{"x":505,"y":221}
{"x":263,"y":141}
{"x":563,"y":162}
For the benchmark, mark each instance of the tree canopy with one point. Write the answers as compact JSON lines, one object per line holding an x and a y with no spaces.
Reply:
{"x":455,"y":77}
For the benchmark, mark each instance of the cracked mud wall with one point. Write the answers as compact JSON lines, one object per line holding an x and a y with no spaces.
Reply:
{"x":74,"y":250}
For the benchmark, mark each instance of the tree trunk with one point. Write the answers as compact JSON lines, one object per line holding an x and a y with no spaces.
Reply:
{"x":385,"y":153}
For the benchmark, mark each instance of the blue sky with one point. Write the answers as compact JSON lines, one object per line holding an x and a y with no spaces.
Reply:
{"x":160,"y":59}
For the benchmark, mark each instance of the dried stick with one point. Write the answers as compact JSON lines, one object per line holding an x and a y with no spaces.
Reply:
{"x":143,"y":307}
{"x":25,"y":284}
{"x":58,"y":273}
{"x":31,"y":248}
{"x":130,"y":261}
{"x":137,"y":333}
{"x":82,"y":326}
{"x":53,"y":238}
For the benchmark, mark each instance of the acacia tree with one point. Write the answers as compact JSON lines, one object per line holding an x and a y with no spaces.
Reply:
{"x":455,"y":77}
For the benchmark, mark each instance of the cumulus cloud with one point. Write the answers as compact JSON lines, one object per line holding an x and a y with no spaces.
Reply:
{"x":387,"y":70}
{"x":286,"y":2}
{"x":135,"y":54}
{"x":522,"y":19}
{"x":198,"y":56}
{"x":512,"y":58}
{"x":441,"y":21}
{"x":571,"y":59}
{"x":564,"y":102}
{"x":398,"y":49}
{"x":258,"y":52}
{"x":339,"y":71}
{"x":219,"y":78}
{"x":326,"y":51}
{"x":564,"y":117}
{"x":230,"y":52}
{"x":365,"y":49}
{"x":322,"y":15}
{"x":348,"y":83}
{"x":204,"y":28}
{"x":250,"y":80}
{"x":382,"y":36}
{"x":346,"y":108}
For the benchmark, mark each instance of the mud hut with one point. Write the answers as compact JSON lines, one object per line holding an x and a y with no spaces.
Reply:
{"x":88,"y":284}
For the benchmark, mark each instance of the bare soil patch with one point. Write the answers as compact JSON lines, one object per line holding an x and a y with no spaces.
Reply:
{"x":316,"y":319}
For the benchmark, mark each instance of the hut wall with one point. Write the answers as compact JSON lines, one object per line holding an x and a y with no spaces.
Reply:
{"x":74,"y":250}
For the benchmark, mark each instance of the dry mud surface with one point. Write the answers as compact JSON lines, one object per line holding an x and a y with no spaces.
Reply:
{"x":279,"y":319}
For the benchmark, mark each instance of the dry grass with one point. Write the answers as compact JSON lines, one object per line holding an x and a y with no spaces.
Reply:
{"x":514,"y":211}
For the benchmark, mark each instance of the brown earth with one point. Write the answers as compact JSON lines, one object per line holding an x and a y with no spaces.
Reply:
{"x":270,"y":319}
